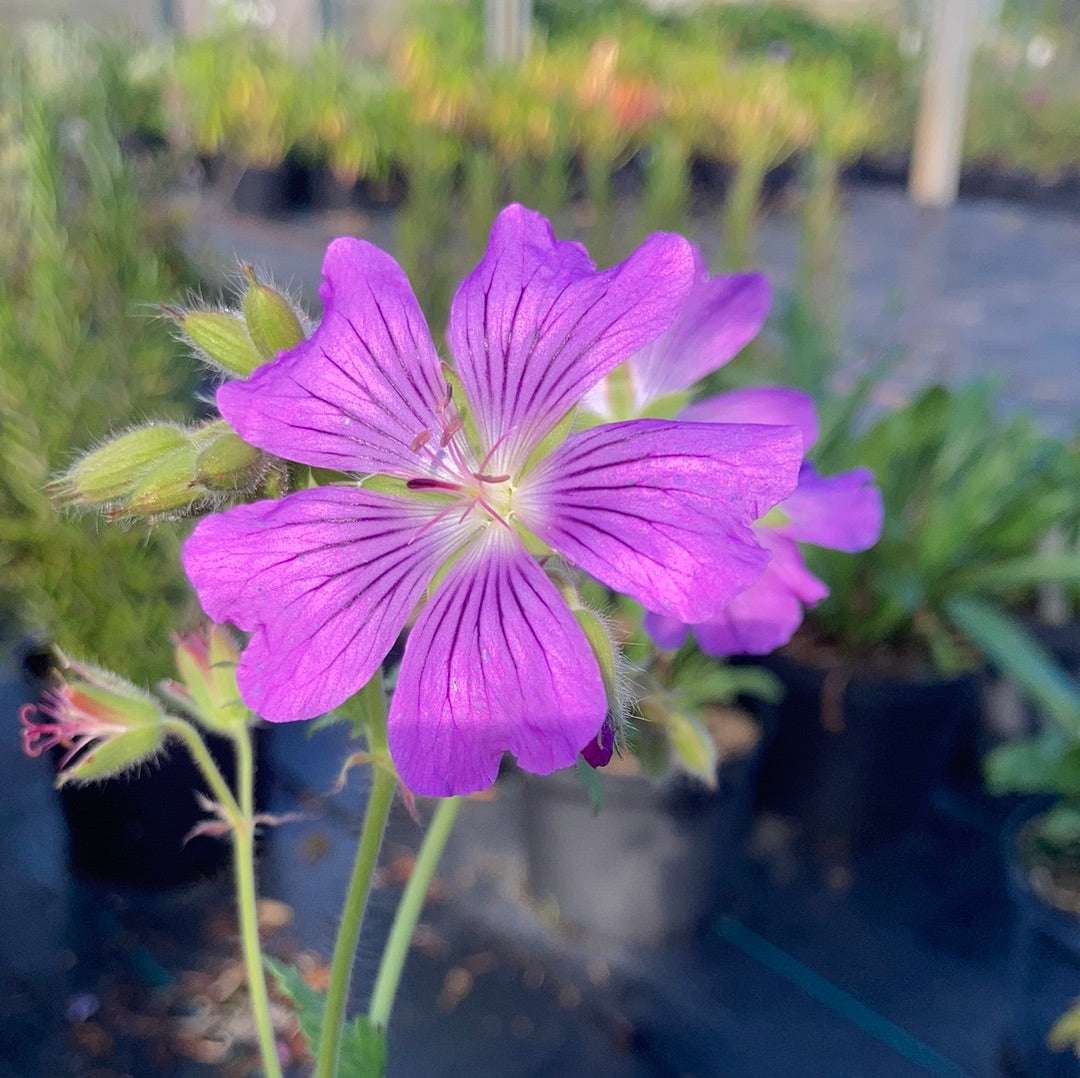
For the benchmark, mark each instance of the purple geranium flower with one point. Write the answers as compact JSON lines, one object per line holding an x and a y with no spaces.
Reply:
{"x":464,"y":484}
{"x":841,"y":512}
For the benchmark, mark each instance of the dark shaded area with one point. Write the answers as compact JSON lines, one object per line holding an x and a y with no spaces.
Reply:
{"x":896,"y":962}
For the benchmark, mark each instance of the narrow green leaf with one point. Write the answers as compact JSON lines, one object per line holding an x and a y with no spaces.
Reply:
{"x":1018,"y":655}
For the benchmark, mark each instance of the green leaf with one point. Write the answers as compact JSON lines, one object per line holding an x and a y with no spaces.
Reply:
{"x":593,"y":783}
{"x":1061,"y":825}
{"x":1041,"y":764}
{"x":308,"y":1003}
{"x":363,"y":1047}
{"x":1031,"y":571}
{"x":1017,"y":654}
{"x":363,"y":1050}
{"x":698,"y":680}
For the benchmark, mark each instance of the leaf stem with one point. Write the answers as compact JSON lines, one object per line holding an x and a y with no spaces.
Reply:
{"x":408,"y":912}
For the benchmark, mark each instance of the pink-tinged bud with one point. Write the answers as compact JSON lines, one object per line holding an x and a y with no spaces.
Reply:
{"x":206,"y":662}
{"x":104,"y":724}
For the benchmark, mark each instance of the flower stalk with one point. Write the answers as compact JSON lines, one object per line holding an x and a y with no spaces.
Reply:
{"x":240,"y":815}
{"x":408,"y":912}
{"x":376,"y":813}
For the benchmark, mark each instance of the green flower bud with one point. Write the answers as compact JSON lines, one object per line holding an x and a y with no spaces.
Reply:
{"x":225,"y":461}
{"x":272,"y":323}
{"x":169,"y":486}
{"x":222,"y":338}
{"x":109,"y":474}
{"x":206,"y":662}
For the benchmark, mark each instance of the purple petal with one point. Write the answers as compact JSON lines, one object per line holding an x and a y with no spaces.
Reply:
{"x":766,"y":615}
{"x":666,"y":632}
{"x":776,"y":405}
{"x":843,"y":512}
{"x":662,"y":510}
{"x":535,"y":325}
{"x":324,"y":580}
{"x":356,"y":394}
{"x":721,"y":316}
{"x":599,"y":749}
{"x":495,"y":663}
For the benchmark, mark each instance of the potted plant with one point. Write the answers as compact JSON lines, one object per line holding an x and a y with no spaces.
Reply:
{"x":638,"y":852}
{"x":882,"y":680}
{"x":1042,"y":841}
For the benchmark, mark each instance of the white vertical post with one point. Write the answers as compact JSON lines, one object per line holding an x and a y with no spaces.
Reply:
{"x":939,"y":134}
{"x":508,"y":30}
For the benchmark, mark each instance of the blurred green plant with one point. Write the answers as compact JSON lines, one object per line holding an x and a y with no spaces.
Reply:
{"x":968,"y":498}
{"x":79,"y":349}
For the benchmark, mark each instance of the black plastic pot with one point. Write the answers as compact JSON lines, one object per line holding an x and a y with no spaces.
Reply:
{"x":651,"y":866}
{"x":130,"y":831}
{"x":1046,"y":965}
{"x":328,"y":192}
{"x":855,"y":757}
{"x":274,"y":191}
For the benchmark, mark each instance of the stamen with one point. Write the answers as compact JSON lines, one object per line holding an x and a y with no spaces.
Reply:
{"x":491,"y":478}
{"x":424,"y":483}
{"x":491,"y":452}
{"x":420,"y":441}
{"x":450,"y":430}
{"x":493,"y":511}
{"x":440,"y":516}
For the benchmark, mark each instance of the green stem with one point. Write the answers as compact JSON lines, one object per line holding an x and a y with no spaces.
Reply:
{"x":194,"y":743}
{"x":740,"y":211}
{"x":408,"y":912}
{"x":248,"y":913}
{"x":245,"y":771}
{"x":383,"y":784}
{"x":241,"y":817}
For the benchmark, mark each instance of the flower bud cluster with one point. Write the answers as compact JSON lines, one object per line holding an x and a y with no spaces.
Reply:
{"x":235,"y":343}
{"x":162,"y":469}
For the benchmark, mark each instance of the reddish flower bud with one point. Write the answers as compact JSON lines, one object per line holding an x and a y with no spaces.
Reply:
{"x":104,"y":724}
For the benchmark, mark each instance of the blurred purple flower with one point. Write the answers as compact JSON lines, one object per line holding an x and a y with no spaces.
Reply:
{"x":326,"y":578}
{"x":719,"y":317}
{"x":841,"y":512}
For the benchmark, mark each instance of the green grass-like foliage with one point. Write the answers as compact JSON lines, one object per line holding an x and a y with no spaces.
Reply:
{"x":969,"y":497}
{"x":1048,"y":762}
{"x":80,"y":354}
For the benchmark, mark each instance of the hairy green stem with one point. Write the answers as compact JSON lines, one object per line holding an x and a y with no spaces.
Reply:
{"x":195,"y":745}
{"x":408,"y":912}
{"x":367,"y":854}
{"x":241,"y":817}
{"x":372,"y":702}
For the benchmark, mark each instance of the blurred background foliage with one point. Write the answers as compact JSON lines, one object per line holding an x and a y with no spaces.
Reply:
{"x":81,"y":351}
{"x":621,"y":119}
